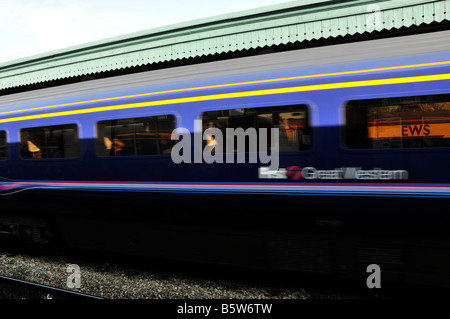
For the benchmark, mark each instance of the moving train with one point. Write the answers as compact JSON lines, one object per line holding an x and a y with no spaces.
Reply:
{"x":356,"y":174}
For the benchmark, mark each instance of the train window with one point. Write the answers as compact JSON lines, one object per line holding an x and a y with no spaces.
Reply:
{"x":135,"y":136}
{"x":59,"y":141}
{"x":3,"y":146}
{"x":405,"y":122}
{"x":292,"y":120}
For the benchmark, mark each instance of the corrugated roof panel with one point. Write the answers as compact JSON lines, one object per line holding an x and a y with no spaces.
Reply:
{"x":439,"y":9}
{"x":447,"y":10}
{"x":286,"y":23}
{"x":418,"y":14}
{"x":388,"y":19}
{"x":407,"y":20}
{"x":428,"y":11}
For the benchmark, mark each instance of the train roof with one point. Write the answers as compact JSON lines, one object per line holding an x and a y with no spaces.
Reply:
{"x":289,"y":24}
{"x":381,"y":53}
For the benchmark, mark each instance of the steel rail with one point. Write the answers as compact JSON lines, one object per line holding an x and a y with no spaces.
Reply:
{"x":46,"y":289}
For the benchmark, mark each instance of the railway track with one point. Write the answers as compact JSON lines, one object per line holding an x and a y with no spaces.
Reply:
{"x":116,"y":277}
{"x":113,"y":276}
{"x":13,"y":288}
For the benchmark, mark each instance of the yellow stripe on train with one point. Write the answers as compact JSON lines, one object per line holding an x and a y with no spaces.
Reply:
{"x":213,"y":97}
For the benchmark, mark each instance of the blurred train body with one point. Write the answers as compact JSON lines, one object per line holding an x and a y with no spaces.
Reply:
{"x":362,"y":179}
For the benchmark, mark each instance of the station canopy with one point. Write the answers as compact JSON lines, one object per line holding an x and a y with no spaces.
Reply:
{"x":288,"y":25}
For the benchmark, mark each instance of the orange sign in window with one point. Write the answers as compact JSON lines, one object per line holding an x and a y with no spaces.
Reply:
{"x":409,"y":130}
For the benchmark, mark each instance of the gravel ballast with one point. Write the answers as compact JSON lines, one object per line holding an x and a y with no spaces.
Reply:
{"x":108,"y":281}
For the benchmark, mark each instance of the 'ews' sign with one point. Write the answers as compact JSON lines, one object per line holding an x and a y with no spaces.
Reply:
{"x":441,"y":130}
{"x":416,"y":130}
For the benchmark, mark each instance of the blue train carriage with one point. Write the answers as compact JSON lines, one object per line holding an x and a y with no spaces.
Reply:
{"x":359,"y":178}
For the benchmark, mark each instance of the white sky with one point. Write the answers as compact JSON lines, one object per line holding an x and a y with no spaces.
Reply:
{"x":29,"y":27}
